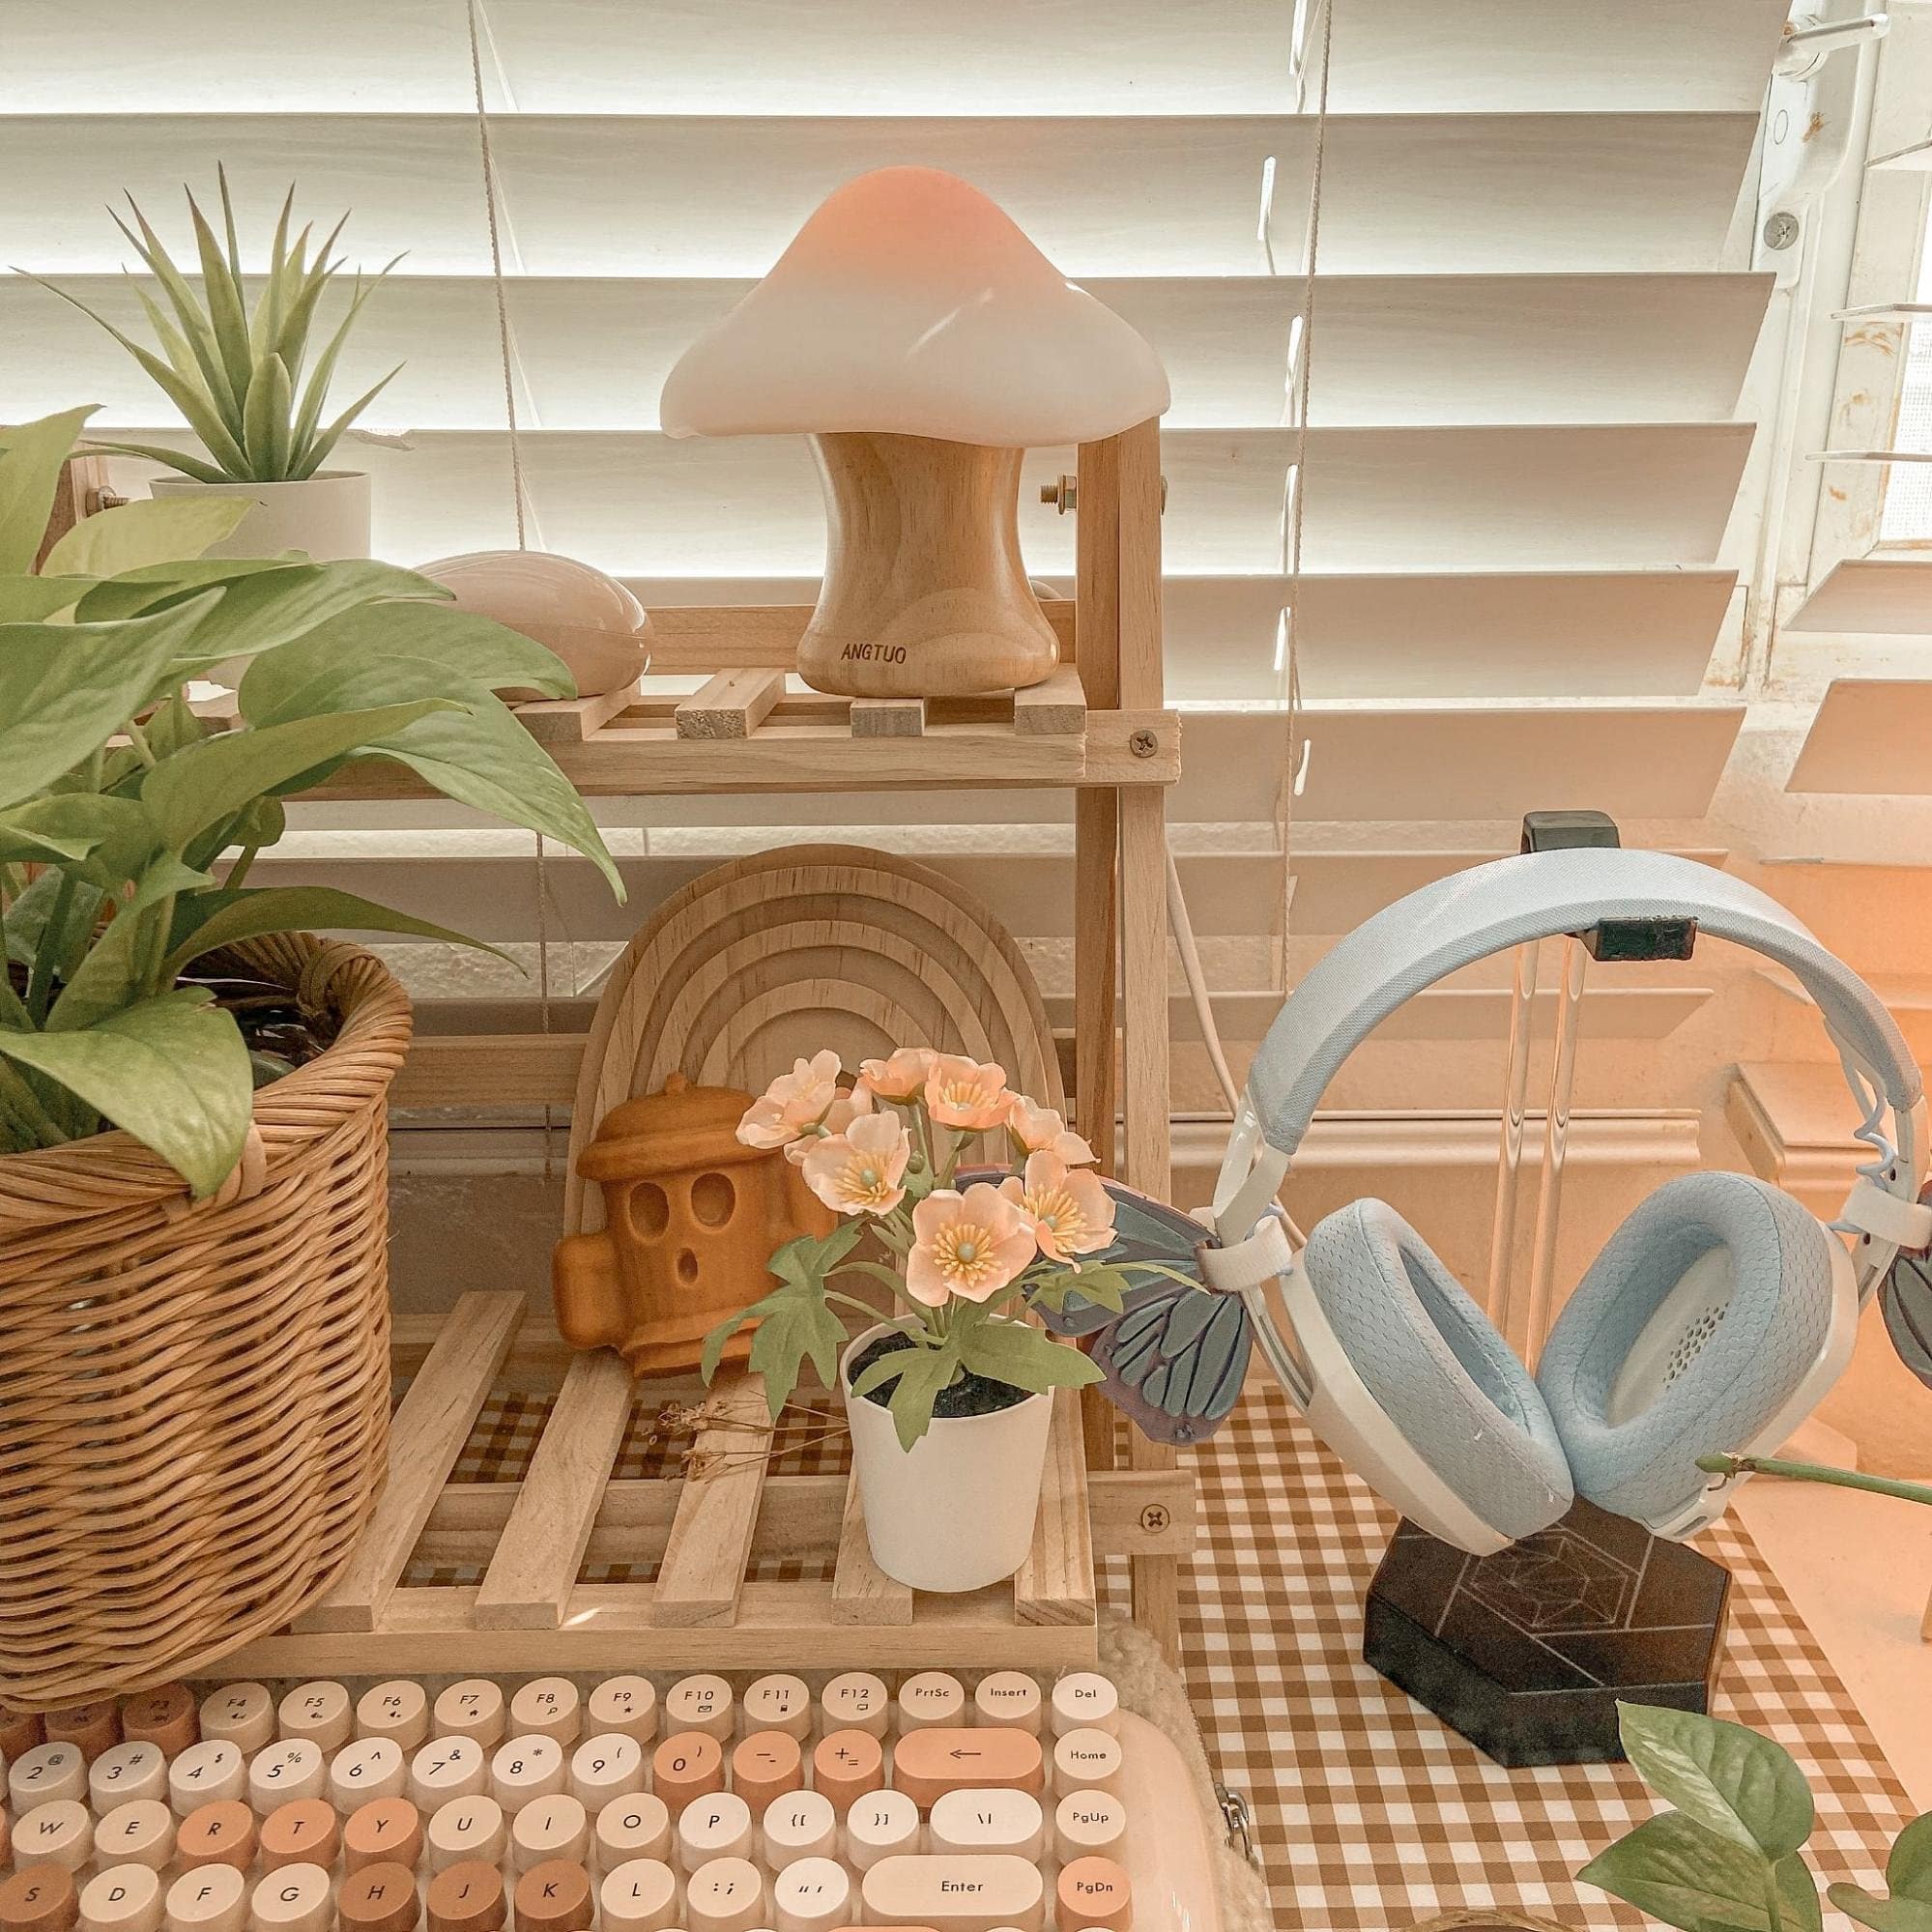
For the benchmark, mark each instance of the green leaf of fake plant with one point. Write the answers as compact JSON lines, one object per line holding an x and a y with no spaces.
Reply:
{"x":157,"y":530}
{"x":31,"y":455}
{"x":120,"y":966}
{"x":64,"y":690}
{"x":1909,"y":1870}
{"x":1896,"y":1914}
{"x":248,"y":913}
{"x":32,"y":600}
{"x":1671,"y":1867}
{"x":801,"y":1328}
{"x":173,"y":1071}
{"x":1725,"y":1776}
{"x":1024,"y":1357}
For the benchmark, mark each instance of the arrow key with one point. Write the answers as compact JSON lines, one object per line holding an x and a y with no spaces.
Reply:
{"x":927,"y":1764}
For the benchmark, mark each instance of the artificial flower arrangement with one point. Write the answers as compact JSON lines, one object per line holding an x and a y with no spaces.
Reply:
{"x":969,"y":1257}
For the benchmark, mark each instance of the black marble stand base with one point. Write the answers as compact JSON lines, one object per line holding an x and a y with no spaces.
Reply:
{"x":1526,"y":1652}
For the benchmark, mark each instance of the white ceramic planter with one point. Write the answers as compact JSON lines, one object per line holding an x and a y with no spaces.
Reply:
{"x":326,"y":515}
{"x":956,"y":1511}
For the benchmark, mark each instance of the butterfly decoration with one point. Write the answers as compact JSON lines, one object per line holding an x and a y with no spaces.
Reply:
{"x":1907,"y":1300}
{"x":1176,"y":1351}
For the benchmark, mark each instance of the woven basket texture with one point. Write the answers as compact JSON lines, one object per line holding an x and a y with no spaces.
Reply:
{"x":195,"y":1397}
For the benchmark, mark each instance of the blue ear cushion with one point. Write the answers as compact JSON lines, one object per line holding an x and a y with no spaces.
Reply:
{"x":1735,"y":1381}
{"x":1428,"y":1355}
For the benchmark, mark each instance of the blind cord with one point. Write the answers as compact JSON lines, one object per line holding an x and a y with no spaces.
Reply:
{"x":489,"y":174}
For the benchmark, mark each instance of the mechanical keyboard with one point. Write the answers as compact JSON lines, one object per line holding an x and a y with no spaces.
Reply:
{"x":776,"y":1804}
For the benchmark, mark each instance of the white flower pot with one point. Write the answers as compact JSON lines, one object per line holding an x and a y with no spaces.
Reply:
{"x":956,"y":1511}
{"x":325,"y":515}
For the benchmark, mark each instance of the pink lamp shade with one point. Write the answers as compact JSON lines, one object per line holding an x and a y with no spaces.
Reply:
{"x":911,"y":305}
{"x":594,"y":624}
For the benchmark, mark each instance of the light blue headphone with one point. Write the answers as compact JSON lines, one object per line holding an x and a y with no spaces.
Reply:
{"x":1715,"y":1319}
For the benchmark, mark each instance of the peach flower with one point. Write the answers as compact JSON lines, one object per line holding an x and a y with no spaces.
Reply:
{"x":792,"y":1103}
{"x":900,"y":1077}
{"x":969,"y":1244}
{"x":861,"y":1171}
{"x":1041,"y":1131}
{"x":846,"y":1108}
{"x":970,"y":1094}
{"x":1069,"y":1211}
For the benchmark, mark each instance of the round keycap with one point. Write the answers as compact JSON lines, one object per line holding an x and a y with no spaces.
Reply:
{"x":467,"y":1831}
{"x":547,"y":1707}
{"x":800,"y":1825}
{"x":640,"y":1896}
{"x":726,"y":1895}
{"x":42,"y":1898}
{"x":555,"y":1896}
{"x":368,"y":1767}
{"x":398,"y":1709}
{"x":766,"y":1764}
{"x":386,"y":1830}
{"x":214,"y":1768}
{"x":377,"y":1898}
{"x":687,"y":1765}
{"x":1008,"y":1697}
{"x":701,"y":1703}
{"x":139,"y":1832}
{"x":882,"y":1824}
{"x":220,"y":1833}
{"x":856,"y":1701}
{"x":1086,"y":1822}
{"x":138,"y":1770}
{"x":95,"y":1727}
{"x":623,"y":1704}
{"x":1093,"y":1892}
{"x":47,"y":1771}
{"x":717,"y":1827}
{"x":20,"y":1732}
{"x":525,"y":1768}
{"x":606,"y":1767}
{"x":212,"y":1899}
{"x":292,"y":1899}
{"x":306,"y":1831}
{"x":813,"y":1895}
{"x":635,"y":1826}
{"x":473,"y":1707}
{"x":778,"y":1702}
{"x":847,"y":1764}
{"x":931,"y":1699}
{"x":1084,"y":1701}
{"x":122,"y":1898}
{"x":165,"y":1715}
{"x":1087,"y":1760}
{"x":291,"y":1769}
{"x":242,"y":1715}
{"x":550,"y":1828}
{"x":60,"y":1832}
{"x":453,"y":1767}
{"x":467,"y":1897}
{"x":319,"y":1711}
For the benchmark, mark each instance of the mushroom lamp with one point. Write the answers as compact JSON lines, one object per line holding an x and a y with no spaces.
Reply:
{"x":591,"y":621}
{"x":923,"y":343}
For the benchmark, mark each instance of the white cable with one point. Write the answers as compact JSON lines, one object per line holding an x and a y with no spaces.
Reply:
{"x":1203,"y":1005}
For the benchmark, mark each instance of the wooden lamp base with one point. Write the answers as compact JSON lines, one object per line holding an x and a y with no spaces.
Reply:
{"x":925,"y":595}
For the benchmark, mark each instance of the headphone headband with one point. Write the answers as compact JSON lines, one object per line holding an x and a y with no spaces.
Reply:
{"x":1491,"y":909}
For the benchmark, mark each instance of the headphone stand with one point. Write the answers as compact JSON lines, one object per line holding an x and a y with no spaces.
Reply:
{"x":1526,"y":1652}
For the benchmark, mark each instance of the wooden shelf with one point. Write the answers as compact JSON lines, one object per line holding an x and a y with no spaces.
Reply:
{"x":702,"y":1535}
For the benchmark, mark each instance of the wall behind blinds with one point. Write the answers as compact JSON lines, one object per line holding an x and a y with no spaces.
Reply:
{"x":1531,"y":418}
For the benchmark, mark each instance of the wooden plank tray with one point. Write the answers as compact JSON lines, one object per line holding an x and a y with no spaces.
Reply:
{"x":700,"y":1534}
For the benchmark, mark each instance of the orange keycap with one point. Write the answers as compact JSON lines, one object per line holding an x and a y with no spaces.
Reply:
{"x":306,"y":1831}
{"x":20,"y":1732}
{"x":164,"y":1717}
{"x":928,"y":1763}
{"x":1093,"y":1891}
{"x":39,"y":1899}
{"x":378,"y":1898}
{"x":94,"y":1728}
{"x":558,"y":1896}
{"x":221,"y":1833}
{"x":766,"y":1764}
{"x":467,"y":1897}
{"x":686,"y":1765}
{"x":386,"y":1830}
{"x":846,"y":1765}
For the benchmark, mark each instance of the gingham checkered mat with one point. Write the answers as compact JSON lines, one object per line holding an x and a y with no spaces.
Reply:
{"x":1368,"y":1812}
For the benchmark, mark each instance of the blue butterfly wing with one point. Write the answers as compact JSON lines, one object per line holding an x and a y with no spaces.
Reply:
{"x":1907,"y":1300}
{"x":1144,"y":1230}
{"x":1175,"y":1361}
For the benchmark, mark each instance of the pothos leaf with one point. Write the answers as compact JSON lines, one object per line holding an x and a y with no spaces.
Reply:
{"x":1673,"y":1868}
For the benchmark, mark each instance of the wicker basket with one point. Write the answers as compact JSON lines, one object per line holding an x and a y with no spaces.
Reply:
{"x":195,"y":1397}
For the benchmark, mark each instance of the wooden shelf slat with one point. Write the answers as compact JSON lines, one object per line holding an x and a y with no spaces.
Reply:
{"x":861,"y":1591}
{"x":703,"y":1572}
{"x":1055,"y":1585}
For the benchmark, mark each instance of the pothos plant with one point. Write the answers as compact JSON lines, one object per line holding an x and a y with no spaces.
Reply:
{"x":964,"y":1258}
{"x":1730,"y":1856}
{"x":128,"y":823}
